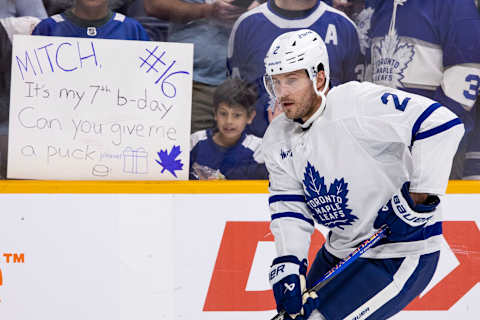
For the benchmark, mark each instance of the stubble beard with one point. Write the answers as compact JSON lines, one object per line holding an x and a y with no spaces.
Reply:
{"x":306,"y":107}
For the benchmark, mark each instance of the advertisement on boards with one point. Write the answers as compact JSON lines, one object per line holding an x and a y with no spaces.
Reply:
{"x":182,"y":256}
{"x":235,"y":245}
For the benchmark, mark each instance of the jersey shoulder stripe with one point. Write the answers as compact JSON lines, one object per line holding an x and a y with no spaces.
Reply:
{"x":57,"y":18}
{"x":441,"y":128}
{"x":252,"y":142}
{"x":119,"y":17}
{"x":196,"y":137}
{"x":423,"y":116}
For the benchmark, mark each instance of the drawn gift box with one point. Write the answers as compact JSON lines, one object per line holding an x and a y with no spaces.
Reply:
{"x":135,"y":161}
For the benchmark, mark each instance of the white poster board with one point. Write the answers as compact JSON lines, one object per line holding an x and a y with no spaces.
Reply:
{"x":99,"y":109}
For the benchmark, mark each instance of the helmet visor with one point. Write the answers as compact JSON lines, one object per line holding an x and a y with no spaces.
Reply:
{"x":269,"y":86}
{"x":291,"y":82}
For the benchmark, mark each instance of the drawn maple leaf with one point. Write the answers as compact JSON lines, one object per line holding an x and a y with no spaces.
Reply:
{"x":169,"y":161}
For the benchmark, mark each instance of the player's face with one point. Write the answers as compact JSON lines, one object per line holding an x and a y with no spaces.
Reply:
{"x":295,"y":93}
{"x":231,"y":121}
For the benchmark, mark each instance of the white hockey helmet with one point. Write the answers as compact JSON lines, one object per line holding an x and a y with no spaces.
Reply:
{"x":297,"y":50}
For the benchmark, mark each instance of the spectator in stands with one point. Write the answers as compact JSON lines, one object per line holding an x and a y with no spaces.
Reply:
{"x":354,"y":9}
{"x":206,"y":24}
{"x":157,"y":29}
{"x":350,"y":7}
{"x":227,"y":151}
{"x":22,"y":8}
{"x":8,"y":27}
{"x":430,"y":48}
{"x":248,"y":46}
{"x":91,"y":19}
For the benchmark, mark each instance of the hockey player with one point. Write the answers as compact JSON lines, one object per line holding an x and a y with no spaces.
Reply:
{"x":91,"y":19}
{"x":247,"y":46}
{"x":352,"y":158}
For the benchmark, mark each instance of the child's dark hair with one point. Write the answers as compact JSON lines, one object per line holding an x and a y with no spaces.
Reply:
{"x":235,"y":92}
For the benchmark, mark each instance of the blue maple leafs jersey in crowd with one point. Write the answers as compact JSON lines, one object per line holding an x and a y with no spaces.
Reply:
{"x":117,"y":27}
{"x":241,"y":161}
{"x":428,"y":47}
{"x":339,"y":168}
{"x":255,"y":30}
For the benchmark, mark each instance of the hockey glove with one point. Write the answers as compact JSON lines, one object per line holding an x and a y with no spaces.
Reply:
{"x":287,"y":278}
{"x":406,"y":220}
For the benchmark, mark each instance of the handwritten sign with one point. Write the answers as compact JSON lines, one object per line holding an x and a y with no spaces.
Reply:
{"x":99,"y":109}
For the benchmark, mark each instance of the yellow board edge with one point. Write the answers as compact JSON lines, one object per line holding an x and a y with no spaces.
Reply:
{"x":174,"y":187}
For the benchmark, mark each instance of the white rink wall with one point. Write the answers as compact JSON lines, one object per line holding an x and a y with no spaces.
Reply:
{"x":180,"y":251}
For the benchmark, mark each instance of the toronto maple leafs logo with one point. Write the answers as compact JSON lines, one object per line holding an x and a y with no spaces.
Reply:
{"x":169,"y":161}
{"x":391,"y":55}
{"x":390,"y":59}
{"x":328,"y":207}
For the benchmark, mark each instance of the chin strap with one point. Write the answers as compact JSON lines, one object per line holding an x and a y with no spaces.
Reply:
{"x":323,"y":104}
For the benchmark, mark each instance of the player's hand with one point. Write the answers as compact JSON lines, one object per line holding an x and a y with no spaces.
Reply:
{"x":287,"y":278}
{"x":310,"y":302}
{"x":405,"y":218}
{"x":225,"y":12}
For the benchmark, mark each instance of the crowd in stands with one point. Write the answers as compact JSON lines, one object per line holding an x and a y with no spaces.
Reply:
{"x":427,"y":47}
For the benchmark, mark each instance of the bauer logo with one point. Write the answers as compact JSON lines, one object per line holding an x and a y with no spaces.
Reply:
{"x":328,"y":207}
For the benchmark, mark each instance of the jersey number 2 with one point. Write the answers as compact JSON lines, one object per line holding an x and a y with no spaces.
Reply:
{"x":396,"y":101}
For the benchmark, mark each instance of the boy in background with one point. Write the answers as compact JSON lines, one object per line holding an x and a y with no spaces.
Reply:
{"x":227,"y":151}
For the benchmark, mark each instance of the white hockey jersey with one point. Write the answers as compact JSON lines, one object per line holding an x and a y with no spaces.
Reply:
{"x":340,"y":167}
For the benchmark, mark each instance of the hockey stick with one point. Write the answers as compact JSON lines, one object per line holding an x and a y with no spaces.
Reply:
{"x":339,"y":267}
